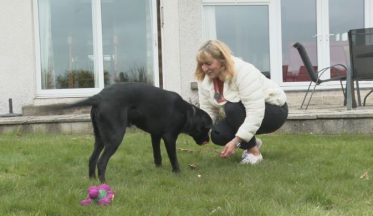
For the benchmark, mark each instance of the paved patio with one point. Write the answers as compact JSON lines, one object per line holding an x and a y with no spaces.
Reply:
{"x":330,"y":120}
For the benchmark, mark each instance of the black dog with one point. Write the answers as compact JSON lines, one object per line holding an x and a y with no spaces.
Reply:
{"x":161,"y":113}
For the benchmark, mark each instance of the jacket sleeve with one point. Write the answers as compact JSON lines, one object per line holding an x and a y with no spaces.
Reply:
{"x":252,"y":97}
{"x":204,"y":104}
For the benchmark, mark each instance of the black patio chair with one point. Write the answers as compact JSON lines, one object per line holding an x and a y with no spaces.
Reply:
{"x":315,"y":75}
{"x":361,"y":57}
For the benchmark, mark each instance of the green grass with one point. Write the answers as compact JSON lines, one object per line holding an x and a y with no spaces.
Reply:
{"x":301,"y":175}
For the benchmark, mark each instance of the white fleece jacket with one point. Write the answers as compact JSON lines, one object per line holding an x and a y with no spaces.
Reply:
{"x":249,"y":86}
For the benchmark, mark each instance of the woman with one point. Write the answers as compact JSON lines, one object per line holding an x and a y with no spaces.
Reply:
{"x":245,"y":100}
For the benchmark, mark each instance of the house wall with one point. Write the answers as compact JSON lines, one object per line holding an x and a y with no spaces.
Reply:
{"x":17,"y":58}
{"x":181,"y":38}
{"x":190,"y":41}
{"x":170,"y":45}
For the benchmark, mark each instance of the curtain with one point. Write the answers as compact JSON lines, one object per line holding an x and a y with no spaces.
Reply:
{"x":46,"y":45}
{"x":209,"y":23}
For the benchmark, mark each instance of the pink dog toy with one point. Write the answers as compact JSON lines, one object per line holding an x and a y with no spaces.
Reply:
{"x":101,"y":195}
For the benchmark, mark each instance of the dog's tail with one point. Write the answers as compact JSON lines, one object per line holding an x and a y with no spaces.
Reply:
{"x":83,"y":103}
{"x":59,"y":108}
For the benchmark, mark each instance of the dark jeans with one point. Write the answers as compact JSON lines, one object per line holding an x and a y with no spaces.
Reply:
{"x":224,"y":130}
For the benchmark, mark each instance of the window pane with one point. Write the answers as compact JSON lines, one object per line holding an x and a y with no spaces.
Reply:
{"x":298,"y":20}
{"x":245,"y":29}
{"x":66,"y":44}
{"x":344,"y":15}
{"x":127,"y":41}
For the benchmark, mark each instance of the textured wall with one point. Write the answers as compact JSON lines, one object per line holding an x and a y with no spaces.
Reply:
{"x":17,"y":67}
{"x":181,"y":38}
{"x":190,"y":40}
{"x":170,"y":46}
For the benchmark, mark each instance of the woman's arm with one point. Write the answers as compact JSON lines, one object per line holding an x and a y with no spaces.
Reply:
{"x":252,"y":97}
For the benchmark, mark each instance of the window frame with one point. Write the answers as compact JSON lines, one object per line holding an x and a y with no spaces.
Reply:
{"x":97,"y":51}
{"x":273,"y":25}
{"x":275,"y":36}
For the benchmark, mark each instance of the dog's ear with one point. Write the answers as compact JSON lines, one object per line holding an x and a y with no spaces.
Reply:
{"x":208,"y":125}
{"x":197,"y":117}
{"x":190,"y":119}
{"x":205,"y":118}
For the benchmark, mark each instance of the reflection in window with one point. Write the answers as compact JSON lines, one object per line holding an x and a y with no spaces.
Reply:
{"x":344,"y":15}
{"x":127,"y":41}
{"x":66,"y":43}
{"x":67,"y":50}
{"x":245,"y":29}
{"x":298,"y":22}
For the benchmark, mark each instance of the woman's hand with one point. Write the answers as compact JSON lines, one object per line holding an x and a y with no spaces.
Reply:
{"x":228,"y":150}
{"x":230,"y":147}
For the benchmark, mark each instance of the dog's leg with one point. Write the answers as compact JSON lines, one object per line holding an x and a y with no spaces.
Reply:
{"x":112,"y":129}
{"x":111,"y":146}
{"x":94,"y":157}
{"x":97,"y":147}
{"x":156,"y":142}
{"x":170,"y":142}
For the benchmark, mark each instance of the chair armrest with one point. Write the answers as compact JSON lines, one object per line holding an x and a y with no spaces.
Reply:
{"x":320,"y":72}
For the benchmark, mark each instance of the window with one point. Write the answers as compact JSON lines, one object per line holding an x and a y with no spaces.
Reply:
{"x":87,"y":44}
{"x":343,"y":16}
{"x":298,"y":22}
{"x":127,"y":41}
{"x":321,"y":26}
{"x":262,"y":32}
{"x":66,"y":43}
{"x":244,"y":28}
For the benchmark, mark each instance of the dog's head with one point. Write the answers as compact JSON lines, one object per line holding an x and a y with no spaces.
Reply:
{"x":198,"y":125}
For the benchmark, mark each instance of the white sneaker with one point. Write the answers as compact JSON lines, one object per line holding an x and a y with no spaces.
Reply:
{"x":252,"y":159}
{"x":259,"y":144}
{"x":244,"y":153}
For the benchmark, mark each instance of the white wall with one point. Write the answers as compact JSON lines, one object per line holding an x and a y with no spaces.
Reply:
{"x":17,"y":58}
{"x":181,"y":38}
{"x":190,"y":41}
{"x":170,"y":45}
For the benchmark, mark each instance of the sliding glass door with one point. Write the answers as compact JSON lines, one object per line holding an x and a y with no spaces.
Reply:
{"x":244,"y":28}
{"x":298,"y":24}
{"x":321,"y":26}
{"x":343,"y":15}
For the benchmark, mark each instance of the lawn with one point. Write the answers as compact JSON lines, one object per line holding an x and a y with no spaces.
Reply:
{"x":300,"y":175}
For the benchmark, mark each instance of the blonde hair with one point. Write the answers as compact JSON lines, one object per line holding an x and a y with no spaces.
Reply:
{"x":219,"y":51}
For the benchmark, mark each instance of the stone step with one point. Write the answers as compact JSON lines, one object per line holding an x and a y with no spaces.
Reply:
{"x":314,"y":121}
{"x":45,"y":110}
